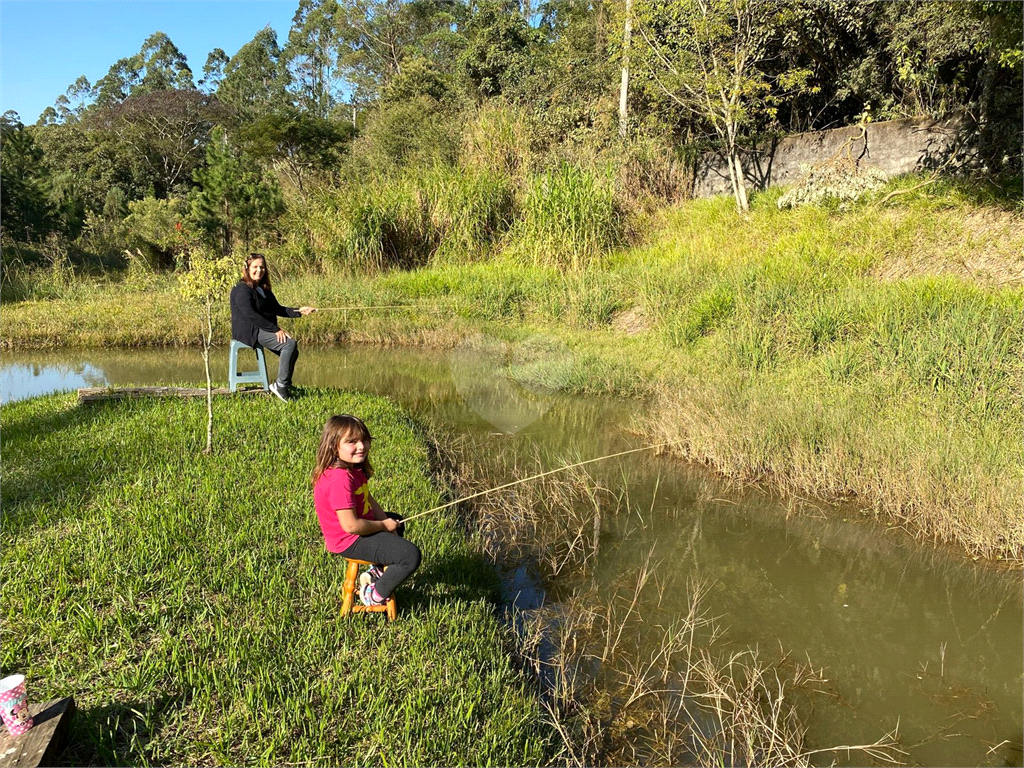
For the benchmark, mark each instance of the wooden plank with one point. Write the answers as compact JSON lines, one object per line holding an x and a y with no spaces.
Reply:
{"x":44,"y":741}
{"x":98,"y":394}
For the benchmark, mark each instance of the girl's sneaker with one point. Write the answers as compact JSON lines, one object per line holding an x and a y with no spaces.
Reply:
{"x":366,"y":595}
{"x":370,"y":576}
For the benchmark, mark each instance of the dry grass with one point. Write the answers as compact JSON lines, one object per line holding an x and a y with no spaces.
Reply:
{"x":682,"y":699}
{"x":967,"y":491}
{"x":983,"y":245}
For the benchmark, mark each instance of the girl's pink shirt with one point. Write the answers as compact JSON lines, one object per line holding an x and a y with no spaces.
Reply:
{"x":339,"y":488}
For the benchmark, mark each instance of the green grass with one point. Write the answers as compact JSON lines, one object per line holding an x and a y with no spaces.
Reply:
{"x":187,"y":603}
{"x":868,"y":353}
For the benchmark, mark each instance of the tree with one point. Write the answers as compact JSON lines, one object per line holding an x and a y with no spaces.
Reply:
{"x":377,"y":40}
{"x":301,"y":142}
{"x":158,"y":66}
{"x":166,"y":131}
{"x":25,"y":213}
{"x":233,"y":196}
{"x":205,"y":282}
{"x":255,"y":79}
{"x":708,"y":57}
{"x":213,"y":70}
{"x":71,"y":105}
{"x":627,"y":38}
{"x":310,"y":56}
{"x":498,"y":52}
{"x":165,"y":67}
{"x":119,"y":82}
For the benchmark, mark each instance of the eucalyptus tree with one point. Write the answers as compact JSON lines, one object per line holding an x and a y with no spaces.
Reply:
{"x":72,"y":104}
{"x":123,"y":77}
{"x":378,"y":40}
{"x":310,"y":56}
{"x":164,"y":67}
{"x":158,"y":66}
{"x":213,"y":70}
{"x":256,"y":79}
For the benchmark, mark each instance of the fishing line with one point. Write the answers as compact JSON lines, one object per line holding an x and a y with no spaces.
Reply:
{"x":534,"y":477}
{"x":375,"y":306}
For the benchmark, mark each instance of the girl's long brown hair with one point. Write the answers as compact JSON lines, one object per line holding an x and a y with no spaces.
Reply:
{"x":264,"y":282}
{"x":337,"y":429}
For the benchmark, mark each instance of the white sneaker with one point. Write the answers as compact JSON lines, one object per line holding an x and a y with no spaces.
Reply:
{"x":281,"y":392}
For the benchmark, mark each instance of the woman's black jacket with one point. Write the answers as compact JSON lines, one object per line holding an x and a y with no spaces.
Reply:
{"x":251,"y":312}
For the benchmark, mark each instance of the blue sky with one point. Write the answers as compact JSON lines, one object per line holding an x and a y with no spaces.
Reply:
{"x":46,"y":44}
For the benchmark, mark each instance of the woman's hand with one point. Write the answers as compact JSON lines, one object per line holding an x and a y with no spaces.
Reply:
{"x":282,"y":336}
{"x":390,"y":525}
{"x":306,"y":311}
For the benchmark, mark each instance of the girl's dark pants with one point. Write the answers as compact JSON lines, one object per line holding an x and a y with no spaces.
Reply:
{"x":402,"y":557}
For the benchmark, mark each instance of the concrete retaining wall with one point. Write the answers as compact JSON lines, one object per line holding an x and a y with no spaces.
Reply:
{"x":894,"y":146}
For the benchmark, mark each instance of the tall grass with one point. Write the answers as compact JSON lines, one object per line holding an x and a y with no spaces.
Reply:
{"x":569,"y":219}
{"x":400,"y":221}
{"x":187,"y":603}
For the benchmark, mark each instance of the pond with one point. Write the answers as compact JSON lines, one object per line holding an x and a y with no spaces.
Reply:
{"x":905,"y":632}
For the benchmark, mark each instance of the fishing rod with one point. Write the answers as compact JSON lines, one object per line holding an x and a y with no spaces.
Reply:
{"x":534,"y":477}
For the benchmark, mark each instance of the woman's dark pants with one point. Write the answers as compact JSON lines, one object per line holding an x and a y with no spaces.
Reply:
{"x":288,"y":352}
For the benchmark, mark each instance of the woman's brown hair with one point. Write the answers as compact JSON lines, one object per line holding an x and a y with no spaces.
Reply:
{"x":337,"y":429}
{"x":264,"y":282}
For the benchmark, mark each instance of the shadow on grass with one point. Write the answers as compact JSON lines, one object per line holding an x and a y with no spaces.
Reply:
{"x":462,"y":577}
{"x":117,"y":734}
{"x":44,"y":472}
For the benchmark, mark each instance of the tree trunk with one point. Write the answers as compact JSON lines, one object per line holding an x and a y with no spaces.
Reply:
{"x":739,"y":184}
{"x":207,"y":343}
{"x":627,"y":35}
{"x":986,"y":111}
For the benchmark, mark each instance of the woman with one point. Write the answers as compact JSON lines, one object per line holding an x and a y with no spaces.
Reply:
{"x":254,"y":313}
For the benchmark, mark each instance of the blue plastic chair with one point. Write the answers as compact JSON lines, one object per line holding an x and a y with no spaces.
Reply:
{"x":259,"y":376}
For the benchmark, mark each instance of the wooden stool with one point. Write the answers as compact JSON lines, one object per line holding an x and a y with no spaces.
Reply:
{"x":350,"y":605}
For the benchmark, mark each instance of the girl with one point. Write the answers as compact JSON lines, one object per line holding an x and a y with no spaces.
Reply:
{"x":352,"y":521}
{"x":254,"y":313}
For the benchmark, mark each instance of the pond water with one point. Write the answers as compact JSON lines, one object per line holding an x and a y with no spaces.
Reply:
{"x":905,"y":632}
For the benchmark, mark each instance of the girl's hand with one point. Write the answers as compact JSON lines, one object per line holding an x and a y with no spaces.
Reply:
{"x":390,"y":525}
{"x":306,"y":310}
{"x":282,"y":337}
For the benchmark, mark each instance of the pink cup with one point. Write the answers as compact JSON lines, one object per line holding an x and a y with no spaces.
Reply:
{"x":14,"y":704}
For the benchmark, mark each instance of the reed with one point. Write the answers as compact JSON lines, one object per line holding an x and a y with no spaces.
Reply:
{"x":616,"y":689}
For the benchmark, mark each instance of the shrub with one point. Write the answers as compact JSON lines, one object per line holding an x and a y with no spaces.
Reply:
{"x":410,"y":133}
{"x":154,"y":226}
{"x":834,"y":181}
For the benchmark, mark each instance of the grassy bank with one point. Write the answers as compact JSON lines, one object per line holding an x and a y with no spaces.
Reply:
{"x":870,"y":353}
{"x":186,"y":601}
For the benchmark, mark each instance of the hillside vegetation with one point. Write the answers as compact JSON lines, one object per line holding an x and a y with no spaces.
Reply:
{"x":871,"y":352}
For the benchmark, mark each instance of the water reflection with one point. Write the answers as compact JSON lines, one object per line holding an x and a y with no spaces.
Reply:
{"x":903,"y":630}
